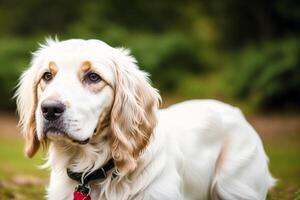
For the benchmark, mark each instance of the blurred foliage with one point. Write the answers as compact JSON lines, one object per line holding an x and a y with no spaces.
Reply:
{"x":192,"y":49}
{"x":270,"y":74}
{"x":14,"y":54}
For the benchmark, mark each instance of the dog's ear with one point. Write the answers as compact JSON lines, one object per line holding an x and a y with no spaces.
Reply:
{"x":26,"y":98}
{"x":133,"y":115}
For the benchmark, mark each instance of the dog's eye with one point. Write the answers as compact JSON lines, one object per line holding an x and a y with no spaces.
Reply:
{"x":47,"y":76}
{"x":93,"y":77}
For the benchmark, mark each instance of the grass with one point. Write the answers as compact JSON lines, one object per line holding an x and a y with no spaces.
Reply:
{"x":21,"y":179}
{"x":284,"y":154}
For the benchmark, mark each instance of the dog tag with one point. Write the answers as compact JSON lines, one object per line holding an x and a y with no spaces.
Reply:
{"x":80,"y":196}
{"x":82,"y":193}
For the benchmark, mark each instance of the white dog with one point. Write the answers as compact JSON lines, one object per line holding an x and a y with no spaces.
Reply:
{"x":98,"y":115}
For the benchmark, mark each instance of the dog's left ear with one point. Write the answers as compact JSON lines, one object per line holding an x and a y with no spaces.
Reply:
{"x":133,"y":116}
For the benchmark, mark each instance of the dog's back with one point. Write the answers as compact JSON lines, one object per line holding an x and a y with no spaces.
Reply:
{"x":221,"y":152}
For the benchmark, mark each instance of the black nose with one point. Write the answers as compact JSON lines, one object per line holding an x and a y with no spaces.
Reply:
{"x":52,"y":110}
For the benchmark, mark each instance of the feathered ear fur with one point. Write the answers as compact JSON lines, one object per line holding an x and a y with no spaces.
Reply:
{"x":26,"y":105}
{"x":133,"y":116}
{"x":26,"y":96}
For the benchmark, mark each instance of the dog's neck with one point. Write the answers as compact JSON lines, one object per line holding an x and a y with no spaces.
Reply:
{"x":79,"y":158}
{"x":95,"y":155}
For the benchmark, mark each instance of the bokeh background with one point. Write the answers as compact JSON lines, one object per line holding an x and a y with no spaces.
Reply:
{"x":246,"y":53}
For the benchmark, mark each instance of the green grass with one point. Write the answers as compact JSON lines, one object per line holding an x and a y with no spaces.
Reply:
{"x":283,"y":152}
{"x":20,"y":178}
{"x":13,"y":158}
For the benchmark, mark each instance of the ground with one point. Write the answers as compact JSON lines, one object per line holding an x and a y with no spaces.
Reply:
{"x":21,"y":179}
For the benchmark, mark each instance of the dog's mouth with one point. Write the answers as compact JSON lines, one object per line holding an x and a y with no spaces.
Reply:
{"x":54,"y":133}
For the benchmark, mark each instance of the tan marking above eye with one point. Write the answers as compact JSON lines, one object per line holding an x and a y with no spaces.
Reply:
{"x":84,"y":69}
{"x":53,"y":67}
{"x":86,"y":66}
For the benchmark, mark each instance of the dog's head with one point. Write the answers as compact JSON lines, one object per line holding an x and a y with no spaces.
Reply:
{"x":76,"y":88}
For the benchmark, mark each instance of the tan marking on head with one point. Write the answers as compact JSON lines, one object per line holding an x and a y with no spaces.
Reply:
{"x":86,"y":67}
{"x":98,"y":87}
{"x":53,"y":68}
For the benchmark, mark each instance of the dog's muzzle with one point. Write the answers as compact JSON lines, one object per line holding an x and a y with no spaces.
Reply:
{"x":54,"y":126}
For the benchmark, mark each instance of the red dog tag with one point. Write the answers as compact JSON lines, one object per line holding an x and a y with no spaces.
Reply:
{"x":80,"y":196}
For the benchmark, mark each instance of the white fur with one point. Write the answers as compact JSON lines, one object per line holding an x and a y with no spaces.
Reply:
{"x":200,"y":149}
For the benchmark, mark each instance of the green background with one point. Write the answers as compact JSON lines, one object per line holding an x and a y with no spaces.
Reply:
{"x":246,"y":53}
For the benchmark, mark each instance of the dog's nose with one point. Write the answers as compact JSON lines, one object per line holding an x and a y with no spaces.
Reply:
{"x":52,"y":109}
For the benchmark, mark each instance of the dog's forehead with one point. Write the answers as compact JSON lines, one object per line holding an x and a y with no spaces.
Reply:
{"x":71,"y":54}
{"x":78,"y":49}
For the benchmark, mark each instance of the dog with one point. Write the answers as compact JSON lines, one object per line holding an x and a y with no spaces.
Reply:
{"x":97,"y":114}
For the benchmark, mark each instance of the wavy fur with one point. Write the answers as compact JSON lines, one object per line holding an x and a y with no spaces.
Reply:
{"x":200,"y":149}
